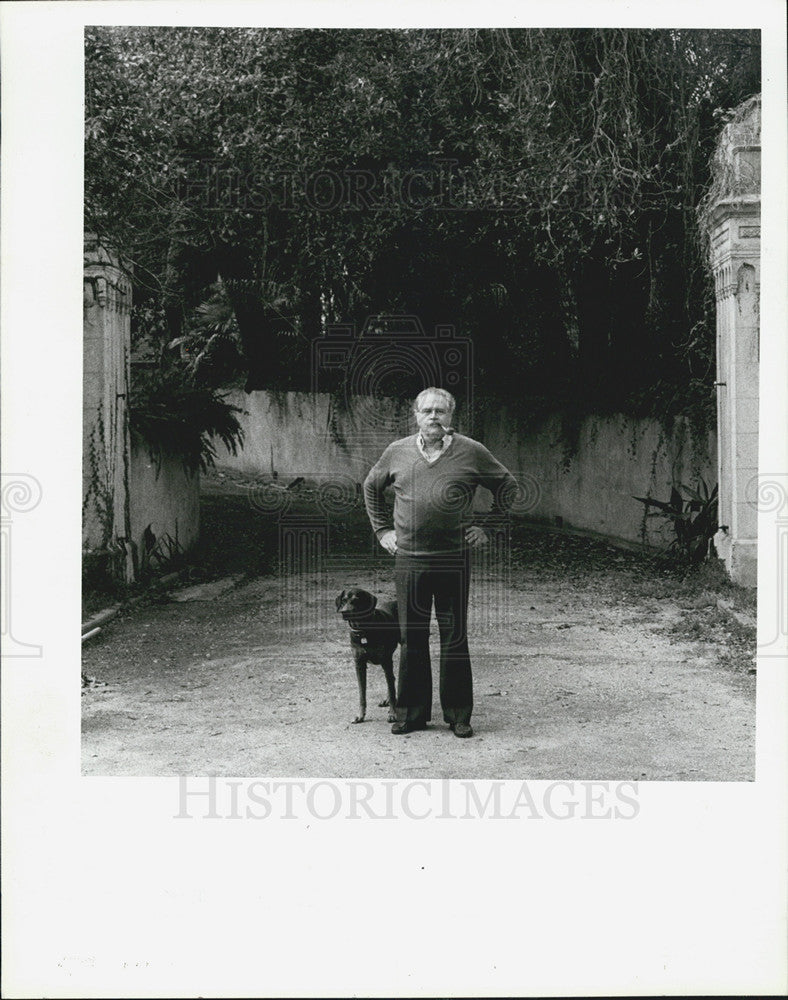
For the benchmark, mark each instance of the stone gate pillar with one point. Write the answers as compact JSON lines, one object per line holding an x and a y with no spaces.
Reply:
{"x":105,"y":443}
{"x":732,"y":218}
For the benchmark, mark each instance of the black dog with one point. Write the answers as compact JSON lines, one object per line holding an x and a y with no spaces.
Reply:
{"x":374,"y":635}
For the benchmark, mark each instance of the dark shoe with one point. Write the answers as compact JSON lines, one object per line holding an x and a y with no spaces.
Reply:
{"x":462,"y":729}
{"x":400,"y":728}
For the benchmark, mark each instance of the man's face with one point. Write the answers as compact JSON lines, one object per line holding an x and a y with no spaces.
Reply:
{"x":432,"y":416}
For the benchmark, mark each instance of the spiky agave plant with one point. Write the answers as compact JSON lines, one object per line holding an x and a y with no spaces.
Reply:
{"x":693,"y":516}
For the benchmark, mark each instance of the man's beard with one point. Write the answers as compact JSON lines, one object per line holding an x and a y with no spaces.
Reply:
{"x":436,"y":432}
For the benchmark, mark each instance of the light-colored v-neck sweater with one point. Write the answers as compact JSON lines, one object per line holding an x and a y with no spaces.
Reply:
{"x":432,"y":501}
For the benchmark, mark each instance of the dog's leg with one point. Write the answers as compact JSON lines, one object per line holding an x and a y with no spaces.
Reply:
{"x":361,"y":677}
{"x":388,"y":670}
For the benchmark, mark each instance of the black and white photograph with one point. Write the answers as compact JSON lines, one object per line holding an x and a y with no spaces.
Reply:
{"x":421,"y":391}
{"x":418,"y":455}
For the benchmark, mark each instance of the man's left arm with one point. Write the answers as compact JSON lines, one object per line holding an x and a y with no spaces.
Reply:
{"x":496,"y":478}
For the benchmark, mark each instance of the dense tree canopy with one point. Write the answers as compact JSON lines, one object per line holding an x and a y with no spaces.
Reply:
{"x":534,"y":188}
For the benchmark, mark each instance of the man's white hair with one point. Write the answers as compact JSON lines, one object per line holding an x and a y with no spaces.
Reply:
{"x":447,"y":396}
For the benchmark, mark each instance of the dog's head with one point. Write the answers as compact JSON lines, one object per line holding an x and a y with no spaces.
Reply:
{"x":355,"y":603}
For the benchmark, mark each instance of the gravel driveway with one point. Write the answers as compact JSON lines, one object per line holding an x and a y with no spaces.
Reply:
{"x":591,"y":667}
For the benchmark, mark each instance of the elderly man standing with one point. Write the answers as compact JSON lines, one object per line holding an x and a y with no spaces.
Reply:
{"x":434,"y":475}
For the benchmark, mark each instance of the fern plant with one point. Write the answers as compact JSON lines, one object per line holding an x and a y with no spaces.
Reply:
{"x":173,"y":415}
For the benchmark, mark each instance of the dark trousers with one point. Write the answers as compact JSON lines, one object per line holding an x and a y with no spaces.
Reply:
{"x":419,"y":581}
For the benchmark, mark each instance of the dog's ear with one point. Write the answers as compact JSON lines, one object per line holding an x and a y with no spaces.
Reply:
{"x":340,"y":600}
{"x":369,"y":603}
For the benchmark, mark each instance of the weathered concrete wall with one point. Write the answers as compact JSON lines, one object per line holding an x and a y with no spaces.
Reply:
{"x":165,"y":497}
{"x":591,"y":489}
{"x":291,"y":433}
{"x":616,"y":458}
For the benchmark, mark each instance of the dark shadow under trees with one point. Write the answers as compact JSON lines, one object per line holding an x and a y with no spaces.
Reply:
{"x":537,"y":189}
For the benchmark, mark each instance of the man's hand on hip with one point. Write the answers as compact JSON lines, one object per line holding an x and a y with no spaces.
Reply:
{"x":389,"y":541}
{"x":476,"y":537}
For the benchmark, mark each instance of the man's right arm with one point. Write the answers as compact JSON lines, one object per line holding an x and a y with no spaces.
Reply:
{"x":378,"y":478}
